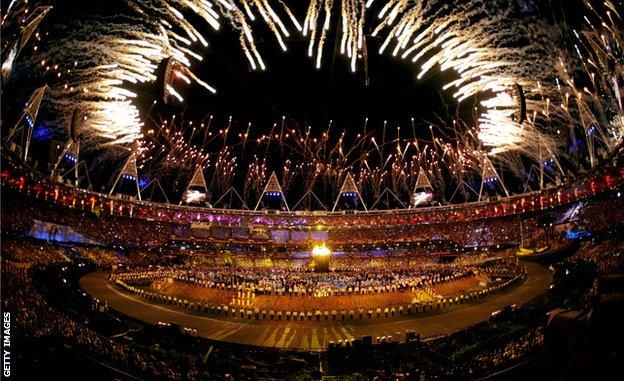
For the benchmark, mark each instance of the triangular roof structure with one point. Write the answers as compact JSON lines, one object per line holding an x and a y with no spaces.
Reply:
{"x":545,"y":159}
{"x":488,"y":171}
{"x":488,"y":175}
{"x":272,"y":188}
{"x":129,"y":171}
{"x":312,"y":199}
{"x":422,"y":181}
{"x":72,"y":148}
{"x":387,"y":192}
{"x":198,"y":179}
{"x":273,"y":184}
{"x":231,"y":193}
{"x":349,"y":188}
{"x":33,"y":21}
{"x":71,"y":152}
{"x":197,"y":183}
{"x":154,"y":185}
{"x":29,"y":114}
{"x":130,"y":168}
{"x":31,"y":25}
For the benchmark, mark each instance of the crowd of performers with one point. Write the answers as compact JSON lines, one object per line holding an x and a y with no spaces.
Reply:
{"x":350,"y":276}
{"x":36,"y":317}
{"x":49,"y":311}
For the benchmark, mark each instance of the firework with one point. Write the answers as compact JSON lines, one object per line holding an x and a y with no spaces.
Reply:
{"x":600,"y":48}
{"x":317,"y":24}
{"x":524,"y":84}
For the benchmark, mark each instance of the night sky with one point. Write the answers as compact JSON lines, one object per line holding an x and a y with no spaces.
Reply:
{"x":292,"y":86}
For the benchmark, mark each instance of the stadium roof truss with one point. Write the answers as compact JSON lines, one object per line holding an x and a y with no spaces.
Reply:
{"x":272,"y":187}
{"x":489,"y":174}
{"x":349,"y":187}
{"x":231,"y":192}
{"x":154,"y":184}
{"x":387,"y":192}
{"x":130,"y":172}
{"x":309,"y":195}
{"x":422,"y":181}
{"x":29,"y":115}
{"x":198,"y":179}
{"x":72,"y":152}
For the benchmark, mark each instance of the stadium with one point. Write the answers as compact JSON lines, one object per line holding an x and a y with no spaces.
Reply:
{"x":148,"y":235}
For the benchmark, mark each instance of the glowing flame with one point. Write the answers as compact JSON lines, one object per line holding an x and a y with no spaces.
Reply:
{"x":320,"y":251}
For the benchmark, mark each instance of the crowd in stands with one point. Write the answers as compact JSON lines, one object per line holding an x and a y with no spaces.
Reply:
{"x":35,"y":318}
{"x":103,"y":257}
{"x":32,"y":251}
{"x":490,"y":232}
{"x":603,"y":213}
{"x":29,"y":267}
{"x":528,"y":342}
{"x":512,"y":347}
{"x":139,"y":232}
{"x":105,"y":229}
{"x":607,"y":256}
{"x":103,"y":221}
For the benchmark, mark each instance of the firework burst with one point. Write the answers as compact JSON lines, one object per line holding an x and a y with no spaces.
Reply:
{"x":525,"y":83}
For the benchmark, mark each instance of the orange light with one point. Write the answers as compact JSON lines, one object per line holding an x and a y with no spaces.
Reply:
{"x":320,"y":251}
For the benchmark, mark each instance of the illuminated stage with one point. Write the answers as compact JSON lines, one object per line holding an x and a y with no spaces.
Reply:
{"x":315,"y":335}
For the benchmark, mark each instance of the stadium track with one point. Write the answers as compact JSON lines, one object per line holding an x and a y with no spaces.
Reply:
{"x":313,"y":335}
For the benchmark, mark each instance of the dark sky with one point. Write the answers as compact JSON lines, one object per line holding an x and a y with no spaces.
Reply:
{"x":292,"y":86}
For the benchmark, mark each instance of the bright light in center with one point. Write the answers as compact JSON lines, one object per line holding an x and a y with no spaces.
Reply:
{"x":320,"y":251}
